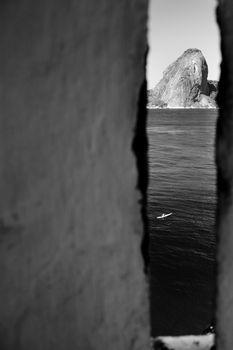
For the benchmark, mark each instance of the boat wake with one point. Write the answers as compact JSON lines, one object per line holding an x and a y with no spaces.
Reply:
{"x":163,"y":216}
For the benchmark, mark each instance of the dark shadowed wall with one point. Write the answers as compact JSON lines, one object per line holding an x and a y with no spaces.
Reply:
{"x":225,"y":182}
{"x":70,"y":224}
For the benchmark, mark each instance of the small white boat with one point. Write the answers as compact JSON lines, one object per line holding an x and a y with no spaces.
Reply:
{"x":164,"y":216}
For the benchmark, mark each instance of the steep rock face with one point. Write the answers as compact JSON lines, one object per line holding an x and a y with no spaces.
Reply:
{"x":213,"y":88}
{"x":185,"y":84}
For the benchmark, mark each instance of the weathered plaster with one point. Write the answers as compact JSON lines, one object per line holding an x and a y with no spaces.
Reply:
{"x":70,"y":225}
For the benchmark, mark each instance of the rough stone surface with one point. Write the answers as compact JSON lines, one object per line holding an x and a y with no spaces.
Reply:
{"x":189,"y":342}
{"x":225,"y":182}
{"x":184,"y":83}
{"x":70,"y":224}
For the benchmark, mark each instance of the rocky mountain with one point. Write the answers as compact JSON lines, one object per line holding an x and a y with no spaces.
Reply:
{"x":185,"y":84}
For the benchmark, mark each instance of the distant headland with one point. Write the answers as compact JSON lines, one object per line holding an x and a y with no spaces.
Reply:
{"x":185,"y":84}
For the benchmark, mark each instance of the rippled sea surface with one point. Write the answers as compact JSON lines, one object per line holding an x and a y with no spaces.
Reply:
{"x":182,"y":246}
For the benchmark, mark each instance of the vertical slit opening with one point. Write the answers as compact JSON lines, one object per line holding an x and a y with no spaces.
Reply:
{"x":182,"y":76}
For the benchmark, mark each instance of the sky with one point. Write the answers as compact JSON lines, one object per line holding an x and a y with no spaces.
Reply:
{"x":177,"y":25}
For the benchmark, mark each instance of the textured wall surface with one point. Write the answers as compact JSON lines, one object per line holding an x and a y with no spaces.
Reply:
{"x":225,"y":182}
{"x":70,"y":226}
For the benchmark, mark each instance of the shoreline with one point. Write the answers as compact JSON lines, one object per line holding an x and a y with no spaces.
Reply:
{"x":201,"y":108}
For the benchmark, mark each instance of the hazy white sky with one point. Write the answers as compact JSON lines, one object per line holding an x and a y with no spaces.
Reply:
{"x":177,"y":25}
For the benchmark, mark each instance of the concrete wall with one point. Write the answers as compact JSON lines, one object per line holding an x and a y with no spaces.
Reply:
{"x":225,"y":182}
{"x":70,"y":224}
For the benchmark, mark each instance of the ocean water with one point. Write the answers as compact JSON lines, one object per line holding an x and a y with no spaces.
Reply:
{"x":182,"y":246}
